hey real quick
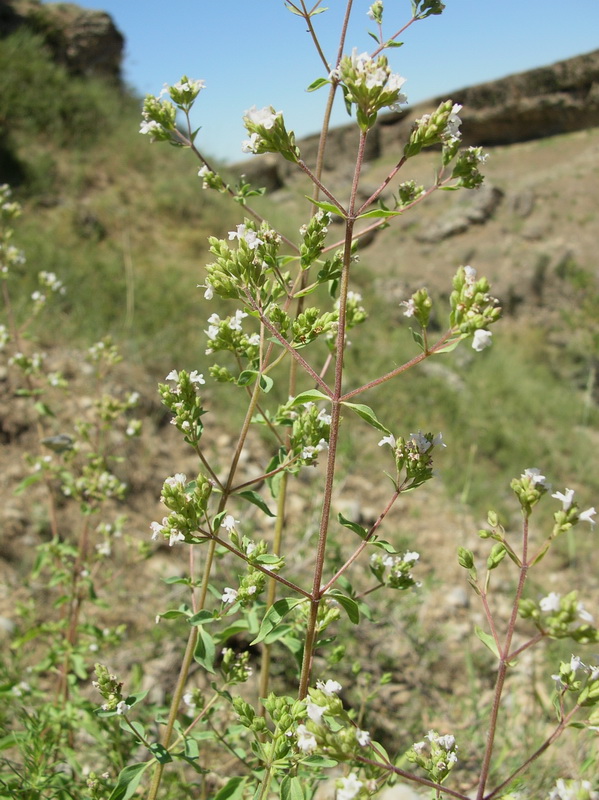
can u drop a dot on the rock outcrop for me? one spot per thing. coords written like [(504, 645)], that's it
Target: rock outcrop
[(560, 98), (86, 42)]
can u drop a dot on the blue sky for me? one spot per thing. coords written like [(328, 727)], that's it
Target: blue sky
[(254, 52)]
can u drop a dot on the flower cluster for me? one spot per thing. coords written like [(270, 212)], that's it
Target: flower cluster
[(313, 237), (442, 126), (418, 306), (414, 455), (437, 755), (529, 488), (309, 433), (573, 790), (184, 401), (268, 134), (399, 575), (234, 666), (561, 617), (472, 308), (187, 502), (370, 85), (111, 690), (158, 115), (569, 514)]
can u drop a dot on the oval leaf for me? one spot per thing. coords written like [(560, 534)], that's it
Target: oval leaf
[(274, 615), (368, 416)]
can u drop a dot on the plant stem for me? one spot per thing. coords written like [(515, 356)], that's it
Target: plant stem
[(503, 666)]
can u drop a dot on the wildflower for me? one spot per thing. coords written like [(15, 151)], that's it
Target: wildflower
[(229, 523), (348, 787), (410, 306), (535, 477), (551, 602), (390, 440), (248, 235), (196, 377), (175, 536), (566, 498), (329, 687), (362, 737), (266, 117), (229, 595), (306, 741), (481, 339), (122, 707), (252, 144), (587, 516), (315, 712)]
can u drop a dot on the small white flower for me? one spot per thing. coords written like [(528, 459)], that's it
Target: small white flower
[(196, 377), (314, 711), (584, 615), (470, 275), (266, 117), (390, 440), (348, 787), (576, 664), (362, 737), (172, 376), (229, 595), (535, 476), (329, 687), (481, 339), (587, 516), (306, 741), (122, 707), (551, 602), (252, 144), (157, 528), (410, 307), (176, 536), (229, 523), (566, 498), (411, 557)]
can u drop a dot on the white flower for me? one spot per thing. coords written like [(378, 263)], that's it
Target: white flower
[(411, 557), (122, 707), (390, 440), (172, 376), (266, 117), (469, 275), (565, 498), (252, 144), (587, 516), (196, 377), (576, 664), (348, 787), (421, 442), (104, 549), (157, 528), (454, 122), (178, 480), (306, 741), (249, 236), (229, 523), (447, 742), (314, 711), (329, 687), (229, 595), (150, 127), (176, 536), (410, 307), (584, 615), (535, 476), (481, 339), (235, 322), (362, 737), (551, 602)]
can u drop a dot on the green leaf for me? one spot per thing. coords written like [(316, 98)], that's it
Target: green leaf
[(487, 640), (133, 699), (139, 729), (128, 781), (233, 789), (392, 43), (311, 396), (274, 615), (317, 84), (319, 761), (383, 544), (203, 617), (374, 36), (291, 788), (160, 753), (450, 345), (176, 579), (205, 650), (379, 213), (330, 207), (30, 480), (254, 497), (348, 604), (417, 337), (353, 526), (43, 409), (368, 416)]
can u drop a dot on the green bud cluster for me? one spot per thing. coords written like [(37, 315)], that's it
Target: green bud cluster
[(529, 488), (407, 193), (437, 755), (159, 118), (369, 85), (566, 618), (94, 485), (355, 313), (212, 180), (309, 433), (184, 93), (104, 353), (394, 571), (472, 308), (311, 324), (187, 503), (30, 365), (414, 455), (313, 238), (234, 666), (268, 134), (466, 170), (376, 11), (185, 403), (431, 129), (109, 687)]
